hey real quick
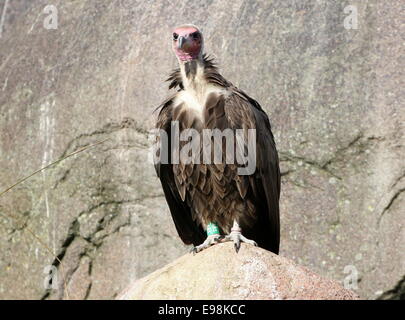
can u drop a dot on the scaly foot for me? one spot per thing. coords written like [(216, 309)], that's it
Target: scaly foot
[(237, 237), (211, 240)]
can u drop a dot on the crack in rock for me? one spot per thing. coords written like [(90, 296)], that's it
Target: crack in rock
[(359, 143)]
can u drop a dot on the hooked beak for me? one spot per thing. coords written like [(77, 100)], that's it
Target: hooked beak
[(181, 42)]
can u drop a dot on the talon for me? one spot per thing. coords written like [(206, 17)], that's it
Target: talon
[(211, 240), (237, 237)]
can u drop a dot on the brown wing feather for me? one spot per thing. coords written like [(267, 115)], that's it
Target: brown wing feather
[(243, 111), (189, 231)]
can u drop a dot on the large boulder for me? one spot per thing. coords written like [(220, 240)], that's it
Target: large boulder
[(333, 96), (221, 273)]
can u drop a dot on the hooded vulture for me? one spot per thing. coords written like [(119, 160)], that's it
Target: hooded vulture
[(212, 199)]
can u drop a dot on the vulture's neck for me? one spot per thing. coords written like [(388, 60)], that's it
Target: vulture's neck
[(197, 77), (193, 76)]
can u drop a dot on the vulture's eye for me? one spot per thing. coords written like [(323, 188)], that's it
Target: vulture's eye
[(195, 35), (175, 36)]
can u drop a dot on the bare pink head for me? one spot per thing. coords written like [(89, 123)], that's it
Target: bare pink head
[(187, 42)]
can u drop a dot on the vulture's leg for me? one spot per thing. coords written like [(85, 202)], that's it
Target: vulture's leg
[(213, 237), (237, 237)]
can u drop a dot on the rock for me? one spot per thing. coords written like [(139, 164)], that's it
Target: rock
[(334, 97), (397, 293), (221, 273)]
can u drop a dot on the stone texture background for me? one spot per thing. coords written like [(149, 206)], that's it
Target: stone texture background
[(333, 95)]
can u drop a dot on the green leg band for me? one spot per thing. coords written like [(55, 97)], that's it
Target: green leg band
[(212, 229)]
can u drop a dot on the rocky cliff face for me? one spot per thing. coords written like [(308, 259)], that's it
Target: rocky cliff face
[(333, 95), (221, 273)]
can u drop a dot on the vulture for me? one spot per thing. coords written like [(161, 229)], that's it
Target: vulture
[(213, 200)]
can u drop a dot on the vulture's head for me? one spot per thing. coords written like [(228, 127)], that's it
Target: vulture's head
[(187, 42)]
